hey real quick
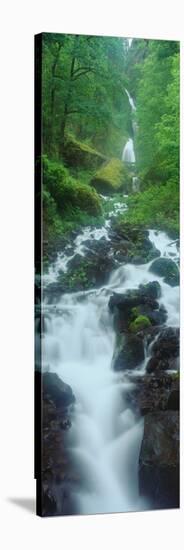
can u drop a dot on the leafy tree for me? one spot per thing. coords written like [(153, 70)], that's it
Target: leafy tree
[(83, 91)]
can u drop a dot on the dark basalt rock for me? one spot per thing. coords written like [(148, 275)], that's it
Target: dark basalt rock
[(165, 351), (165, 267), (89, 271), (57, 478), (152, 290), (139, 302), (54, 290), (132, 244), (129, 352), (55, 389), (159, 460), (155, 393)]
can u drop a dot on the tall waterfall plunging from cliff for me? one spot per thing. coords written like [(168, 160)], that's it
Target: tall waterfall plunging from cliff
[(131, 101), (128, 154)]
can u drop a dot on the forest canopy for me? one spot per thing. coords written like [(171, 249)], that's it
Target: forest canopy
[(87, 119)]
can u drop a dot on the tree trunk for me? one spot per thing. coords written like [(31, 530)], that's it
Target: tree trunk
[(64, 118)]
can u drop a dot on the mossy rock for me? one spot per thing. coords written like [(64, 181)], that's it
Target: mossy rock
[(140, 323), (91, 271), (78, 153), (62, 192), (112, 177), (164, 267)]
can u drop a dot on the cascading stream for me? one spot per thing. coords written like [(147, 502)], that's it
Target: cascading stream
[(106, 435)]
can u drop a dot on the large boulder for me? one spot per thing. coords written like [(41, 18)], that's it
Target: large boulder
[(56, 475), (137, 306), (132, 244), (129, 352), (89, 271), (112, 177), (165, 267), (55, 389), (155, 393), (78, 153), (159, 460), (165, 351)]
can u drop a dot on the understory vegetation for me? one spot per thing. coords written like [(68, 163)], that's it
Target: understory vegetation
[(155, 208), (87, 120), (67, 203)]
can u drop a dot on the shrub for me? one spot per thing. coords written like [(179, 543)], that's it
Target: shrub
[(157, 207)]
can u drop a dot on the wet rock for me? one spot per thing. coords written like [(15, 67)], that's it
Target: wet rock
[(54, 290), (165, 267), (55, 389), (135, 303), (89, 271), (159, 460), (49, 502), (75, 262), (152, 290), (129, 352), (155, 393), (57, 478), (133, 244), (165, 351), (174, 400)]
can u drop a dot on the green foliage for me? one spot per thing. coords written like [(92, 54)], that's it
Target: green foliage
[(67, 192), (158, 206), (157, 141), (83, 92), (86, 110), (77, 279), (139, 323), (167, 130), (67, 203)]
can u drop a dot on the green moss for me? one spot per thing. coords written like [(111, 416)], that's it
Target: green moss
[(111, 177), (68, 204), (139, 323), (68, 192), (135, 312), (79, 153)]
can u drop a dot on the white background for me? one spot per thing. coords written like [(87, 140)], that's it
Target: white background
[(20, 528)]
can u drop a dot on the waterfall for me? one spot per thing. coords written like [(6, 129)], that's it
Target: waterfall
[(131, 101), (128, 152), (78, 344)]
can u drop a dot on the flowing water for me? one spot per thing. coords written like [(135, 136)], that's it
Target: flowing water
[(128, 152), (78, 344)]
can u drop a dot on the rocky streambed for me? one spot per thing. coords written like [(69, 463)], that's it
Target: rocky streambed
[(110, 372)]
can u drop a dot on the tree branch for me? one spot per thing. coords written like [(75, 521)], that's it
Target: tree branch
[(83, 69), (82, 73), (72, 111)]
